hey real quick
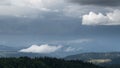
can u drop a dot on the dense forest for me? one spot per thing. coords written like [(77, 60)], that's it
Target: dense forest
[(26, 62)]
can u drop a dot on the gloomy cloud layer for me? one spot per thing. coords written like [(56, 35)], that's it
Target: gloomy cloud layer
[(60, 26), (97, 2), (57, 17)]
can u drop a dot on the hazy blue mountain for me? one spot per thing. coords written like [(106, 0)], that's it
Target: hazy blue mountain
[(104, 59), (87, 56), (6, 48), (7, 51), (19, 54)]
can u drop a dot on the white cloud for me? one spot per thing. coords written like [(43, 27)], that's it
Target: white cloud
[(75, 41), (72, 49), (41, 49), (69, 49), (79, 41), (111, 18)]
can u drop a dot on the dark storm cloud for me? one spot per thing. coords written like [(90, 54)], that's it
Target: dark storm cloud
[(97, 2)]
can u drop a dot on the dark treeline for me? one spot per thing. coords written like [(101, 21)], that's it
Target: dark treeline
[(25, 62)]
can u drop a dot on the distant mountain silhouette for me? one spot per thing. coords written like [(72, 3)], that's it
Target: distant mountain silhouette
[(19, 54), (7, 51), (6, 48), (103, 59)]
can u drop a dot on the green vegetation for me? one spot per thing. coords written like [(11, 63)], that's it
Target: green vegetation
[(25, 62)]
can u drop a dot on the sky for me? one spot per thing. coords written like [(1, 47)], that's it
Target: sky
[(27, 23)]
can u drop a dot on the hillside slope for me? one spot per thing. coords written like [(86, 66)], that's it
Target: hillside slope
[(111, 60), (89, 56)]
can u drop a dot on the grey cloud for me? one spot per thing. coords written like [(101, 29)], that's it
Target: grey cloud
[(36, 26), (5, 2), (29, 7), (97, 2)]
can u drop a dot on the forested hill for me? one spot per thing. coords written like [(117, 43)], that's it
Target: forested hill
[(25, 62)]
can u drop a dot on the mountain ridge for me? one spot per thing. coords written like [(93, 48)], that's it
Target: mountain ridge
[(108, 59)]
